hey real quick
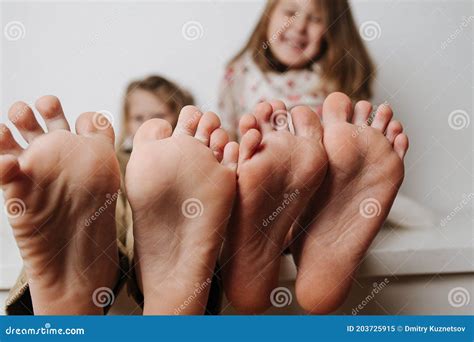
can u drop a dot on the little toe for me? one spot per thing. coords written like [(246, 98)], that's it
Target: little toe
[(394, 128), (231, 155), (400, 145), (8, 145), (306, 122), (337, 107), (152, 130), (95, 123), (188, 121), (362, 111), (264, 115), (22, 116), (208, 124), (383, 115), (218, 140), (9, 168), (246, 123), (52, 112), (249, 144)]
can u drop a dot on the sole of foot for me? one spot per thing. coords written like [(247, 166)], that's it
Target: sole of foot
[(53, 191), (181, 187), (278, 173), (365, 172)]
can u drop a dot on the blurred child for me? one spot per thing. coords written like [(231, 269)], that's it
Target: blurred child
[(299, 52)]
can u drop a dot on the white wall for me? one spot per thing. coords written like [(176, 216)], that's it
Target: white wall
[(87, 53)]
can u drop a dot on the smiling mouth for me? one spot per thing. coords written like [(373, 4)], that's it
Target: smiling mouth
[(295, 43)]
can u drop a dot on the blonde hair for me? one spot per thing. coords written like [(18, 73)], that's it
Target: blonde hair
[(345, 64), (165, 90)]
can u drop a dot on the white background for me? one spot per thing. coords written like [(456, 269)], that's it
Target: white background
[(87, 53)]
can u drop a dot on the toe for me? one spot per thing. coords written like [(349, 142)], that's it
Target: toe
[(93, 124), (246, 123), (265, 116), (306, 122), (21, 115), (9, 168), (8, 145), (400, 145), (278, 105), (337, 107), (362, 112), (188, 121), (52, 112), (382, 117), (218, 140), (394, 128), (208, 124), (152, 130), (249, 144), (231, 155)]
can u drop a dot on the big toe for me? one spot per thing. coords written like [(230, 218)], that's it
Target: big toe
[(151, 130), (337, 108)]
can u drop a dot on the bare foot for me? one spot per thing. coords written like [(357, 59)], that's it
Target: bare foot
[(52, 190), (278, 172), (364, 175), (181, 189)]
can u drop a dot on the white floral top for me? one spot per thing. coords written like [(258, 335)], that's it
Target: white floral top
[(245, 85)]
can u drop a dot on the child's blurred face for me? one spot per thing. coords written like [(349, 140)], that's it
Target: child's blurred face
[(143, 105), (295, 32)]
